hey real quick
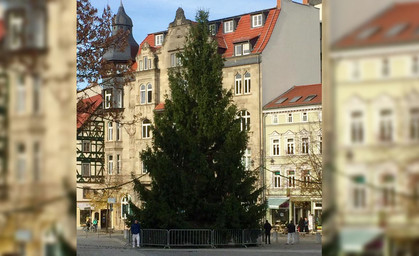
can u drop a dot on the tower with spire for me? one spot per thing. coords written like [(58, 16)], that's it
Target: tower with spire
[(113, 87)]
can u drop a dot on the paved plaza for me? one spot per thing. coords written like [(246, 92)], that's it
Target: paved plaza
[(115, 244)]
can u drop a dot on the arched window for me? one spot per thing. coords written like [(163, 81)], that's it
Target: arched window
[(142, 94), (146, 129), (125, 208), (238, 84), (149, 93), (247, 83)]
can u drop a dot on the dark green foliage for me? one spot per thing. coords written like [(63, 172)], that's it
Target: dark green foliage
[(198, 179)]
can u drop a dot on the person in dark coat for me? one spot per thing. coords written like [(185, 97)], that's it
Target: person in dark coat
[(301, 225), (267, 228), (135, 231), (306, 225), (291, 232)]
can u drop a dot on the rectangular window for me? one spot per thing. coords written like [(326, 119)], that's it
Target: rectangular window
[(145, 63), (306, 178), (228, 26), (85, 169), (275, 147), (291, 179), (36, 94), (246, 48), (358, 192), (290, 146), (257, 20), (86, 146), (277, 179), (110, 131), (20, 94), (321, 144), (414, 124), (144, 168), (275, 119), (357, 127), (247, 158), (415, 65), (149, 64), (238, 49), (304, 146), (108, 99), (212, 29), (15, 30), (386, 125), (36, 161), (118, 164), (385, 67), (304, 117), (118, 131), (141, 65), (289, 118), (159, 39), (146, 131), (110, 164), (175, 60), (21, 162)]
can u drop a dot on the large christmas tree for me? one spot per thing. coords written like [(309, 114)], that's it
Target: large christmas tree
[(195, 162)]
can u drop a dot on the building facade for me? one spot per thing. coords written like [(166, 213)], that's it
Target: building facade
[(264, 52), (376, 158), (293, 160), (37, 115)]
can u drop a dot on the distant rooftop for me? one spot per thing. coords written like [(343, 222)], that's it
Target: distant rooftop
[(297, 96)]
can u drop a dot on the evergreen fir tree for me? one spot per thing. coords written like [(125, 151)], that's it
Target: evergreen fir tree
[(195, 162)]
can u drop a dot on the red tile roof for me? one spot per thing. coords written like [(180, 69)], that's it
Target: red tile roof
[(159, 107), (378, 31), (303, 91), (243, 32), (86, 107)]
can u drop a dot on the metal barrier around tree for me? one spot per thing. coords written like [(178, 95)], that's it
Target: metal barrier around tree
[(199, 237)]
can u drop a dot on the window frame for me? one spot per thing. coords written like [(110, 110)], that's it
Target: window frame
[(238, 84), (255, 20), (143, 94), (305, 145), (247, 83), (228, 28), (145, 129), (85, 167), (158, 40), (110, 164), (110, 131), (245, 120), (276, 179), (304, 117), (276, 147), (290, 118), (290, 150), (149, 93)]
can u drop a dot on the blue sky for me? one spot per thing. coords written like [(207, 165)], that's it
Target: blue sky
[(150, 16)]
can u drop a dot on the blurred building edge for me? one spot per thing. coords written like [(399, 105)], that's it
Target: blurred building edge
[(375, 90), (37, 109)]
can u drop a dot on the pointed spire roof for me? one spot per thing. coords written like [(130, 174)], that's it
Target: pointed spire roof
[(122, 18)]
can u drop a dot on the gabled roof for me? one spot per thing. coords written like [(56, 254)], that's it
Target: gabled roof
[(86, 107), (159, 107), (242, 32), (297, 96), (398, 24)]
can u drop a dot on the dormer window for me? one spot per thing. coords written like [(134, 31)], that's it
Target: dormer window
[(212, 29), (228, 26), (159, 40), (242, 49), (257, 20)]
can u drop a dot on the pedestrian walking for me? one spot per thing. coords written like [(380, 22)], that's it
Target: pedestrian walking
[(267, 228), (95, 224), (291, 232), (135, 231), (88, 224)]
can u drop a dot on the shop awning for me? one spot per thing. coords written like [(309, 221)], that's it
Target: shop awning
[(355, 239), (275, 203)]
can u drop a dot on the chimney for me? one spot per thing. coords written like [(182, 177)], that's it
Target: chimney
[(305, 2), (278, 4)]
